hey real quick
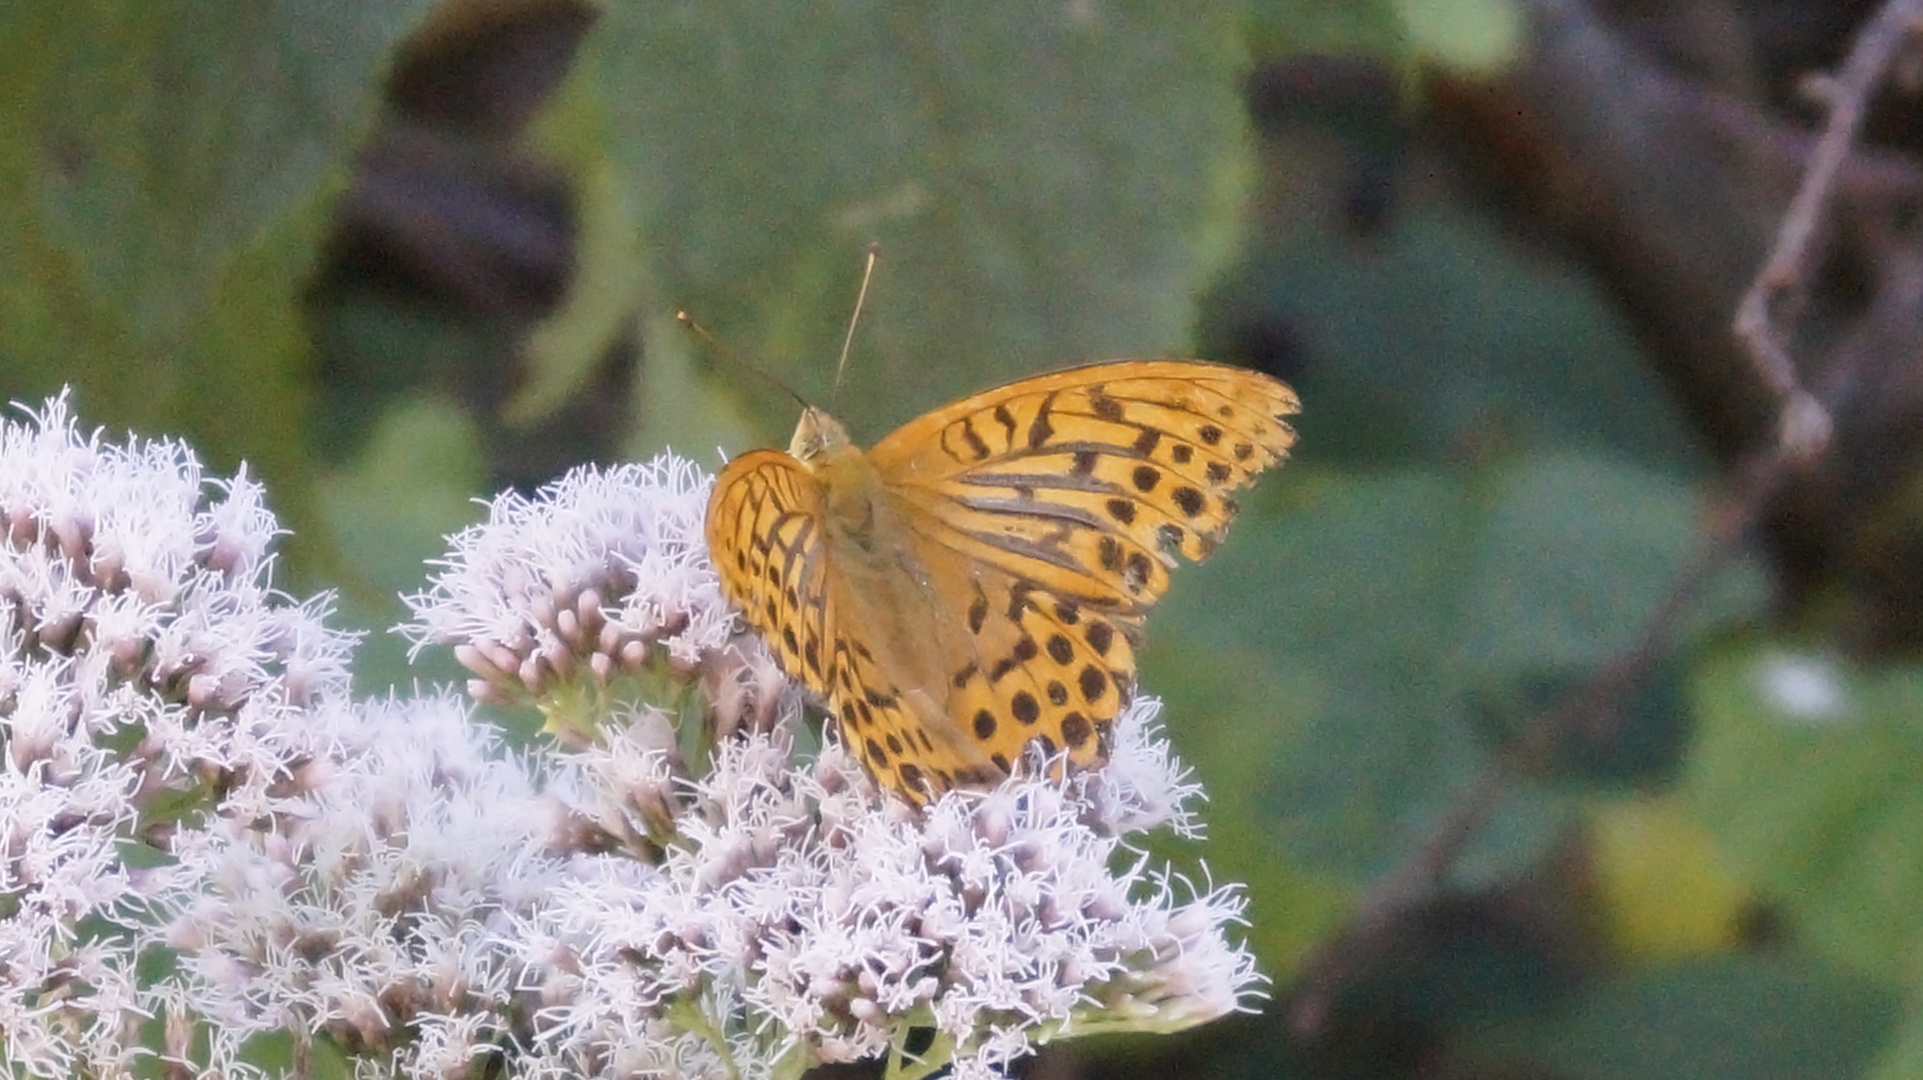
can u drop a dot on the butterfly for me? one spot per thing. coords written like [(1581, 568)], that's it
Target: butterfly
[(976, 582)]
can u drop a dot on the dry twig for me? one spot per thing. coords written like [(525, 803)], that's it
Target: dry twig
[(1806, 426), (1804, 434)]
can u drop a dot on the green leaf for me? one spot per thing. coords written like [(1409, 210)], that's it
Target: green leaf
[(1046, 184), (1364, 27), (1442, 337), (1807, 774), (1725, 1018), (1902, 1059), (1570, 555), (161, 200), (1643, 742), (168, 140), (390, 510), (1470, 36), (1341, 596)]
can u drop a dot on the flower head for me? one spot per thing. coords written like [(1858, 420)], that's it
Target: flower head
[(382, 876), (376, 905), (150, 678), (600, 576), (795, 913), (830, 917)]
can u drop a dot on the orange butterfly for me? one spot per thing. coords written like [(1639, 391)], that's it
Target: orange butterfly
[(978, 580)]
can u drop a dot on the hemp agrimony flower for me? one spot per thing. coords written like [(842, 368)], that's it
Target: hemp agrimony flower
[(152, 685), (562, 599), (798, 914), (215, 862), (379, 903)]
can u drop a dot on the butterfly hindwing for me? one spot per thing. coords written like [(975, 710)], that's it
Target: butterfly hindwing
[(1025, 664)]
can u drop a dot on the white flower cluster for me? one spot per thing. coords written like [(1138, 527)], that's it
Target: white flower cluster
[(807, 917), (149, 678), (378, 905), (558, 596), (214, 862), (798, 914)]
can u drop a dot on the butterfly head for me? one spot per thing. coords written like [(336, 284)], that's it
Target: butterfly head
[(816, 435)]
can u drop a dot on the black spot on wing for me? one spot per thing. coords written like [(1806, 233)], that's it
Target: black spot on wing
[(1077, 730), (1042, 429), (1024, 708), (1094, 683), (909, 778), (1060, 649), (977, 612), (1100, 637), (1007, 420), (975, 444)]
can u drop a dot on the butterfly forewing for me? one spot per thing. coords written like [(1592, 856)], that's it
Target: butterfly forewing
[(765, 534), (1022, 535), (1085, 480)]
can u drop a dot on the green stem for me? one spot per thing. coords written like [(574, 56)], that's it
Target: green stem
[(905, 1066), (691, 1017), (791, 1065)]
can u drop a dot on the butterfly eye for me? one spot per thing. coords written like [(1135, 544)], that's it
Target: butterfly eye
[(816, 433)]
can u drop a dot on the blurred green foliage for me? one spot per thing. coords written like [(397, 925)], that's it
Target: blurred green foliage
[(1490, 497)]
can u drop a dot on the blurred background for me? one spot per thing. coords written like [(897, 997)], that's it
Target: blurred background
[(1549, 740)]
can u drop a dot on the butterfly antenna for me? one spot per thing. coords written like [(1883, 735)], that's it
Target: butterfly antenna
[(867, 274), (734, 357)]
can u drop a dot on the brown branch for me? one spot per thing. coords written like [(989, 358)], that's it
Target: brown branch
[(1805, 435), (1806, 426), (1422, 870)]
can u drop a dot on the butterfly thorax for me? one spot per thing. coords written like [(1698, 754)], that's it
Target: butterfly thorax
[(848, 479), (816, 434), (888, 591)]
